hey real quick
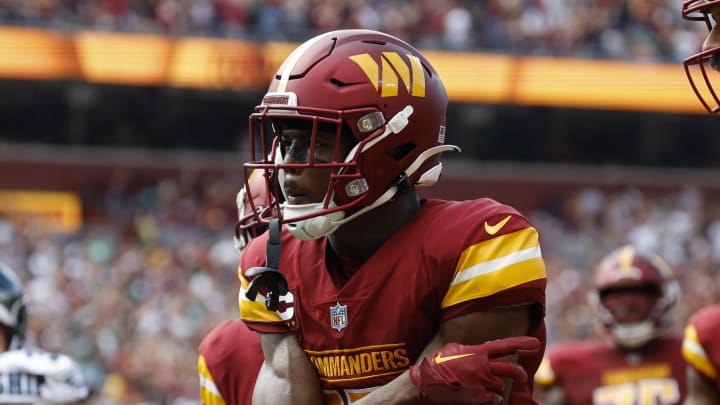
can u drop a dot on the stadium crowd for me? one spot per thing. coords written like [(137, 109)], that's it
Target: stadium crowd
[(682, 226), (650, 30), (153, 269), (131, 294)]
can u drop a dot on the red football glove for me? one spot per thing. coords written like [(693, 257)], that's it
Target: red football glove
[(460, 374)]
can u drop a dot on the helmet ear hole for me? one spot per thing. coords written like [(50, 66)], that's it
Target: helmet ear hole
[(398, 153)]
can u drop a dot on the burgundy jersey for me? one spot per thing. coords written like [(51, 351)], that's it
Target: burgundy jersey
[(701, 346), (228, 365), (453, 258), (597, 372)]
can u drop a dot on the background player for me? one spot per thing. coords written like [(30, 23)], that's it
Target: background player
[(701, 349), (634, 362), (230, 356), (30, 375), (379, 279)]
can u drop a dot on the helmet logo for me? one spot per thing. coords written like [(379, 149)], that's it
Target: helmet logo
[(384, 76)]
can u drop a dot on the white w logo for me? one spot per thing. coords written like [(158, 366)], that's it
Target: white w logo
[(386, 75)]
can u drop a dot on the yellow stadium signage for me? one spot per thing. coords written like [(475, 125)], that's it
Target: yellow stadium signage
[(44, 211)]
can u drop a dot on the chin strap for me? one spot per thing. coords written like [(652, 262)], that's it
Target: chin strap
[(269, 279)]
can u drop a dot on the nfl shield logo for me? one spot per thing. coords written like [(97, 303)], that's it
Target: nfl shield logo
[(338, 317)]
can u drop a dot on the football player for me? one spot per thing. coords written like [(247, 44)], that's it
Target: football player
[(230, 356), (635, 361), (368, 293), (696, 66), (30, 375), (701, 349)]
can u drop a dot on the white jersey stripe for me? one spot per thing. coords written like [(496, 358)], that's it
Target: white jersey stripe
[(496, 264), (694, 348), (210, 386)]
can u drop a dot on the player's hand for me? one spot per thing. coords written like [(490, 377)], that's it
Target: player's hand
[(460, 374)]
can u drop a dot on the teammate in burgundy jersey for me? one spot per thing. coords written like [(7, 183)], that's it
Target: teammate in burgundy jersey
[(369, 294), (228, 365), (635, 362), (230, 356), (701, 349)]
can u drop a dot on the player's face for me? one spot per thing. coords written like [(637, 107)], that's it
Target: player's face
[(629, 305), (299, 145)]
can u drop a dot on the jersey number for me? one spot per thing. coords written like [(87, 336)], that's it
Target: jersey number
[(657, 391)]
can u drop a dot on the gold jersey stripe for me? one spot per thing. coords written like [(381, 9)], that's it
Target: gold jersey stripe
[(695, 355), (634, 374), (338, 380), (484, 285), (545, 375), (497, 264), (497, 248), (492, 266), (356, 396), (209, 394), (349, 396)]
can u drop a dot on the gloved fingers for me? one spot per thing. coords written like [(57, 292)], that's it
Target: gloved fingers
[(507, 369), (522, 345)]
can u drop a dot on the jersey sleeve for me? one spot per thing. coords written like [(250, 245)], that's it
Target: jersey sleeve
[(209, 392), (254, 313), (700, 347), (229, 360), (500, 262)]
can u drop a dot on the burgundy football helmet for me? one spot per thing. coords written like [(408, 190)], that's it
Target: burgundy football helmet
[(371, 87), (253, 210), (696, 66), (633, 294)]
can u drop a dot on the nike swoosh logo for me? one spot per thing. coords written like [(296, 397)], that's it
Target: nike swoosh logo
[(440, 359), (493, 229)]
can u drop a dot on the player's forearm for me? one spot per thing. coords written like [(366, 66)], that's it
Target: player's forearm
[(272, 389), (400, 391), (286, 377)]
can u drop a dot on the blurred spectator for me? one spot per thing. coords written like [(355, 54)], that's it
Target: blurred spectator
[(137, 288), (647, 30)]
